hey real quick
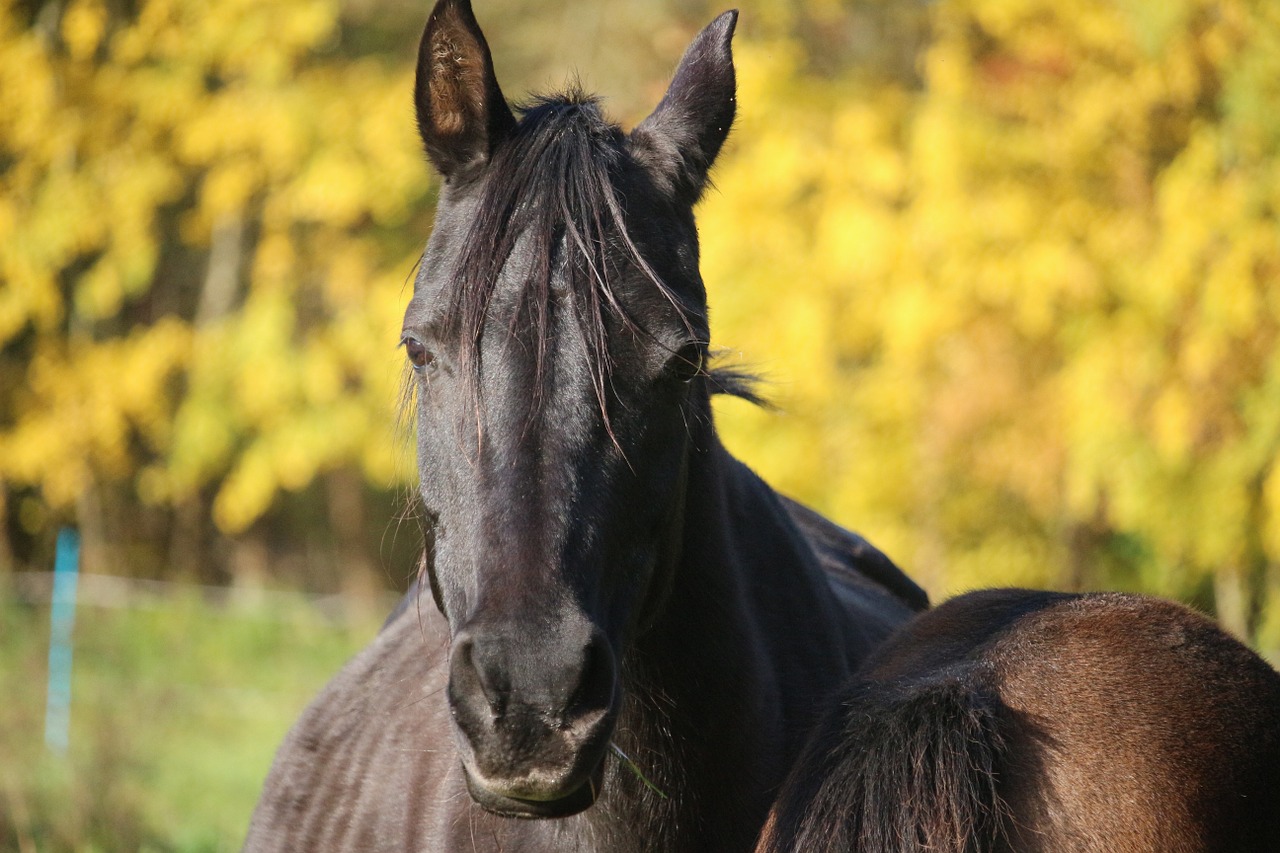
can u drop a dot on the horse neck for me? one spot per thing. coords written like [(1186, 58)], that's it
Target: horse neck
[(707, 712), (741, 554)]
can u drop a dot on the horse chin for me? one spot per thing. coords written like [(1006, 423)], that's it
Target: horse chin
[(577, 800)]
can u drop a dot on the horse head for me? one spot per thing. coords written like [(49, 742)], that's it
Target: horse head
[(558, 339)]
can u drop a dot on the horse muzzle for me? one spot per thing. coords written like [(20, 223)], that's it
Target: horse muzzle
[(533, 720)]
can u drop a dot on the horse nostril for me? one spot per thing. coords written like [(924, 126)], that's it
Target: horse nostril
[(499, 678), (596, 685), (472, 677)]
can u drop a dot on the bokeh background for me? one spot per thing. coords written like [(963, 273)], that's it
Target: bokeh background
[(1011, 269)]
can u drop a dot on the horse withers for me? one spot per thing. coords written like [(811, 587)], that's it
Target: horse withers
[(1011, 721), (631, 630)]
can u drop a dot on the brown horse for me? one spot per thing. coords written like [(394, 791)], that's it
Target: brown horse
[(1037, 722), (631, 630)]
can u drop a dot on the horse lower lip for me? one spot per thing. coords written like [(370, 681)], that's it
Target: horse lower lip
[(581, 798)]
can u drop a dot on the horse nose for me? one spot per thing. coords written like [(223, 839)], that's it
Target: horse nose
[(562, 677), (534, 713)]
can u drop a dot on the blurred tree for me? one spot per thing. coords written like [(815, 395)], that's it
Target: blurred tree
[(1010, 266), (1023, 313), (207, 219)]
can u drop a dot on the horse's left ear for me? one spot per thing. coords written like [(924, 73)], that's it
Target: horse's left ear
[(462, 115), (681, 138)]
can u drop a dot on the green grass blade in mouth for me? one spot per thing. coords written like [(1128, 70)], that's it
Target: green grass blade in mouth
[(631, 765)]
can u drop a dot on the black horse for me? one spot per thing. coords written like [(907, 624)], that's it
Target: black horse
[(633, 630), (1010, 721)]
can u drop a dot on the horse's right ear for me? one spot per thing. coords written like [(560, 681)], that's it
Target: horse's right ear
[(462, 116)]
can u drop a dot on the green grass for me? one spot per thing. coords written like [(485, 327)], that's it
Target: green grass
[(177, 708)]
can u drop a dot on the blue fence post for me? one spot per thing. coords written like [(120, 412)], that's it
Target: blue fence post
[(66, 568)]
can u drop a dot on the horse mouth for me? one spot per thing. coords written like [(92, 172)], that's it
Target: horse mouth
[(504, 805)]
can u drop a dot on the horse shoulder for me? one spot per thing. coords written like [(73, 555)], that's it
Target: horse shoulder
[(375, 736)]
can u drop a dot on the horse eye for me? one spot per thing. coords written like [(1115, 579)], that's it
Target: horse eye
[(419, 355), (687, 363)]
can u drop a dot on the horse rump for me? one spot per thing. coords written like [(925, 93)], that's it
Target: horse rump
[(1037, 722), (898, 767)]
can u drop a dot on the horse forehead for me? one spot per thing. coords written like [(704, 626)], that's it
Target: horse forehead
[(534, 278)]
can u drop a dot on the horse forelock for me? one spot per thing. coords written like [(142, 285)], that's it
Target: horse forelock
[(549, 211), (551, 204)]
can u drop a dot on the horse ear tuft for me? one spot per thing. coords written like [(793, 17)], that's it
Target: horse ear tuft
[(462, 115), (681, 138)]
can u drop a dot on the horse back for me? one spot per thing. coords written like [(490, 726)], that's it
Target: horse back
[(875, 596), (851, 561)]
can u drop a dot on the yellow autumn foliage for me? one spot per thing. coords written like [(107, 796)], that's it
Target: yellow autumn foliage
[(1022, 313), (1009, 267), (199, 287)]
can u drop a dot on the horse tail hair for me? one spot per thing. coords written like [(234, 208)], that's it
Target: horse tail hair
[(898, 767)]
